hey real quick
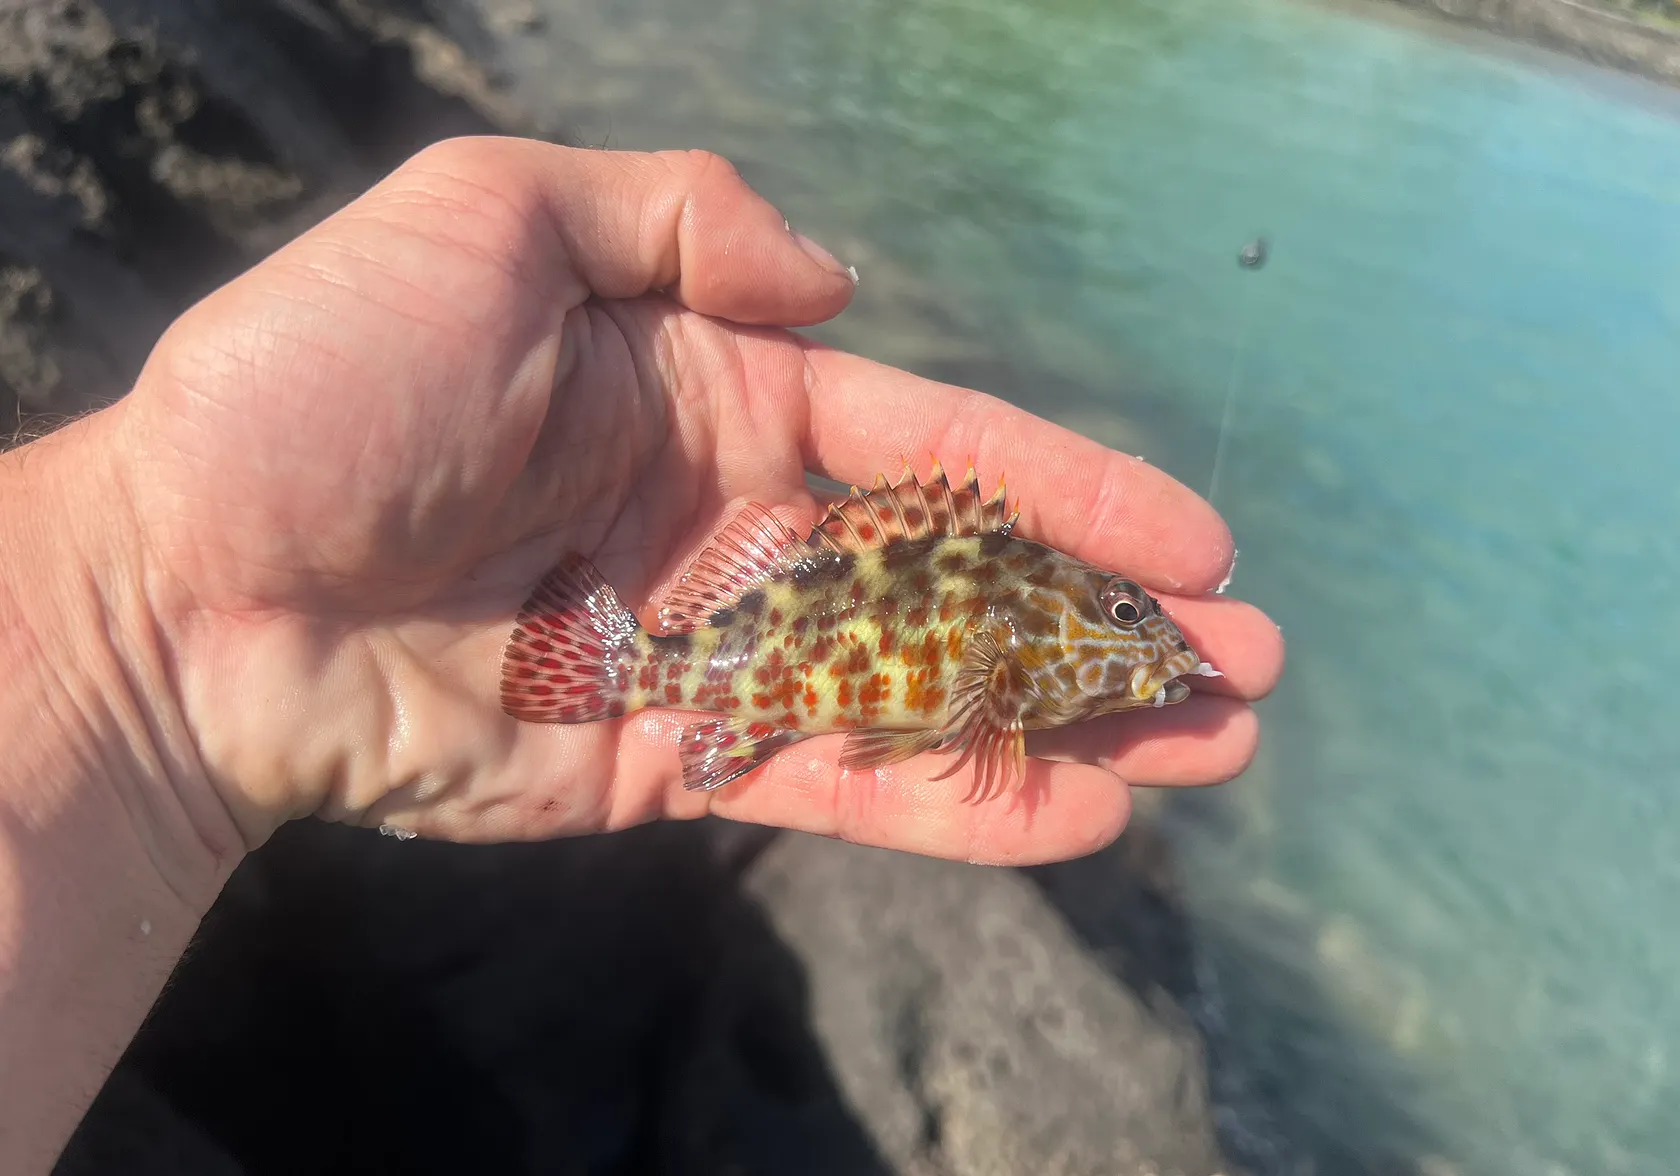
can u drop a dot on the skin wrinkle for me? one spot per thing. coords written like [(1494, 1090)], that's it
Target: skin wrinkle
[(662, 224), (146, 788), (174, 760), (160, 810), (708, 173), (602, 462), (343, 803), (438, 310), (512, 259)]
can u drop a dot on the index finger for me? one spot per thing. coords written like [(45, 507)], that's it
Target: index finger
[(1110, 509)]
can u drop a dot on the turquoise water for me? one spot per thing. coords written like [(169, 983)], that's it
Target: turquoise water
[(1439, 918)]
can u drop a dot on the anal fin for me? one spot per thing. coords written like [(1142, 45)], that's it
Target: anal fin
[(716, 751)]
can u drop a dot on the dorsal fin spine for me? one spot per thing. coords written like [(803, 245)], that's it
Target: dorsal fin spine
[(882, 516), (945, 496)]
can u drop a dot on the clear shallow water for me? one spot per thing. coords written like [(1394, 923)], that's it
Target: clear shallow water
[(1441, 916)]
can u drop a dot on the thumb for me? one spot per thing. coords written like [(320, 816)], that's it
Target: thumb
[(684, 222)]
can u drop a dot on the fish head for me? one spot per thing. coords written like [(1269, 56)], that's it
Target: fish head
[(1105, 645)]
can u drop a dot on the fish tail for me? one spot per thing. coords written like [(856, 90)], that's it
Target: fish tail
[(569, 656)]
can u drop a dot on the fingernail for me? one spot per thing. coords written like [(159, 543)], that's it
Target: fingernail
[(823, 257)]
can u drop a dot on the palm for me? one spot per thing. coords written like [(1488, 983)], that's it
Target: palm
[(356, 460)]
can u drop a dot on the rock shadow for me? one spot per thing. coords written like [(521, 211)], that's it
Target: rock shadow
[(602, 1005)]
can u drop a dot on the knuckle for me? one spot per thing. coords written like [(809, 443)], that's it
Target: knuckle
[(699, 166)]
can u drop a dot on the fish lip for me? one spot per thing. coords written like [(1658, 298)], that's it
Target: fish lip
[(1158, 683)]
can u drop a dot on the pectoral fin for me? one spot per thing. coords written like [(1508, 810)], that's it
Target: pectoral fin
[(987, 701)]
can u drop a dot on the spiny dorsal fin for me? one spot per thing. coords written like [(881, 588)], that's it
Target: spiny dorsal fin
[(753, 548), (912, 510)]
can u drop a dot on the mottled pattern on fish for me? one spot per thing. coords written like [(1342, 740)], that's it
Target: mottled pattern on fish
[(910, 617)]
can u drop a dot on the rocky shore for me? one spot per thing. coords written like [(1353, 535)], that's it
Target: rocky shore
[(150, 149), (701, 999), (1580, 28)]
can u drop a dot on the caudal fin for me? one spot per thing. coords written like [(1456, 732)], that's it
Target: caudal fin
[(562, 663)]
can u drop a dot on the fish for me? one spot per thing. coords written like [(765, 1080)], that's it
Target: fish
[(911, 617)]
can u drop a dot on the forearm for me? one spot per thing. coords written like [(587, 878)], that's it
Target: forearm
[(105, 871)]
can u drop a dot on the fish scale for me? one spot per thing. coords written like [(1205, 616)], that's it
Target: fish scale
[(910, 618)]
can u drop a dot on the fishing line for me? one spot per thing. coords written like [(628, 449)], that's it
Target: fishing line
[(1252, 257)]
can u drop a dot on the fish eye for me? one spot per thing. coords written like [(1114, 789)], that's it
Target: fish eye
[(1126, 603)]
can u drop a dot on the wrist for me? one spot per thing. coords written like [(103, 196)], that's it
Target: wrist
[(89, 690), (109, 856)]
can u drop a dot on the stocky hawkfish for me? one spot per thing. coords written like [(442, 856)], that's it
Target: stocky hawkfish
[(910, 617)]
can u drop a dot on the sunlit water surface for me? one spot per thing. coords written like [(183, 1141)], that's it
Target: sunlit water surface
[(1439, 917)]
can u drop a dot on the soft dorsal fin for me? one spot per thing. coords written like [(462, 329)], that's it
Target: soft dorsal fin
[(912, 510), (753, 548)]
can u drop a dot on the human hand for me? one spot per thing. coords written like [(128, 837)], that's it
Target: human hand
[(349, 465)]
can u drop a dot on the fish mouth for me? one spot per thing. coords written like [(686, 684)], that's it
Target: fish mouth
[(1157, 683)]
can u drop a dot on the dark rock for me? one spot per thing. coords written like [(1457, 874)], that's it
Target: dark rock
[(599, 1005), (1581, 28), (140, 1134), (970, 1028), (151, 149), (679, 999)]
